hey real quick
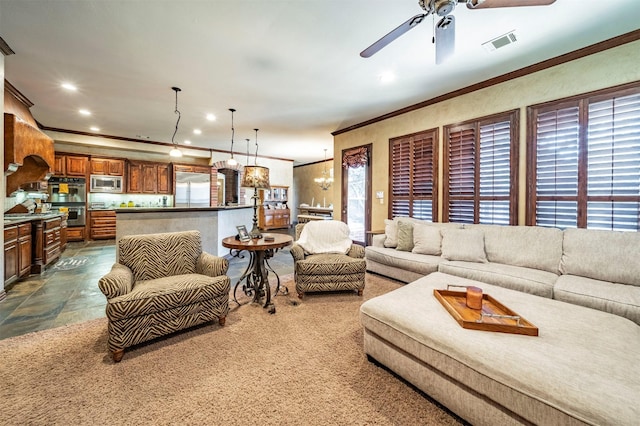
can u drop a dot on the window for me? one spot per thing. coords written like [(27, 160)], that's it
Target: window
[(413, 170), (584, 161), (480, 170)]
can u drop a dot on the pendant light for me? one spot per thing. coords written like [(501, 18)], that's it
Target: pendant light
[(175, 151), (232, 161)]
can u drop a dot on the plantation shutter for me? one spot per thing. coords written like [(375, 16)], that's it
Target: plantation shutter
[(400, 177), (588, 178), (495, 173), (412, 175), (613, 163), (462, 171), (557, 167)]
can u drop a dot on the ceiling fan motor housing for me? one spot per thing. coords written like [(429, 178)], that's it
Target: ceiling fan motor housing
[(444, 7)]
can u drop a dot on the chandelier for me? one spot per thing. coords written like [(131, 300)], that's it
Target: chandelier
[(326, 179)]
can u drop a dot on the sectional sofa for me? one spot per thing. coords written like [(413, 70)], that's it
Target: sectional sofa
[(580, 287)]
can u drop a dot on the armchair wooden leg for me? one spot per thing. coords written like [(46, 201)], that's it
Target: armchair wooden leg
[(117, 355), (360, 290), (222, 320), (300, 294)]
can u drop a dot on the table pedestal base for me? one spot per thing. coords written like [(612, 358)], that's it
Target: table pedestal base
[(256, 279)]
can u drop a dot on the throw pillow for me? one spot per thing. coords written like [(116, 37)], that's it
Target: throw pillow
[(463, 244), (391, 233), (405, 236), (426, 239)]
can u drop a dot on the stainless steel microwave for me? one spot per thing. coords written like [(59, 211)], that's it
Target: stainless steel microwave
[(100, 183)]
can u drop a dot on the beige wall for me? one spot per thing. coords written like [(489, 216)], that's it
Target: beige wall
[(601, 70), (306, 190)]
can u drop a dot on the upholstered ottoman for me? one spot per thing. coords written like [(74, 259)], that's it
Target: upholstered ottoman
[(582, 368)]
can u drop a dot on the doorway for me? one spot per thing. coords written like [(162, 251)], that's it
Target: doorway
[(356, 191)]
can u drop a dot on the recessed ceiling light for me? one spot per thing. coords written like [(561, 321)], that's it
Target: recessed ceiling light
[(187, 142), (197, 131), (84, 112), (70, 87), (95, 129), (211, 117), (387, 77)]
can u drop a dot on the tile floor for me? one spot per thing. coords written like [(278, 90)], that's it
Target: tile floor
[(68, 292)]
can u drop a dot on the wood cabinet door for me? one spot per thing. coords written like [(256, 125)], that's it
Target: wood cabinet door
[(116, 168), (134, 178), (149, 178), (24, 255), (76, 166), (99, 166), (163, 179), (58, 165), (10, 261)]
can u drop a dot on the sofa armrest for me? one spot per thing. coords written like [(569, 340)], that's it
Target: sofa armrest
[(211, 265), (116, 282), (297, 252), (356, 251)]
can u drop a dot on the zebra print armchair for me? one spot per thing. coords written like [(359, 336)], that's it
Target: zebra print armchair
[(162, 283), (327, 271)]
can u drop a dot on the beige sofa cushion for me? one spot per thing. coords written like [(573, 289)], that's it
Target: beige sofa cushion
[(619, 299), (526, 280), (463, 244), (426, 239), (602, 255), (528, 246), (391, 233)]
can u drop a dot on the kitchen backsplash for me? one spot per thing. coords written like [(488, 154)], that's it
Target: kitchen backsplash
[(139, 200)]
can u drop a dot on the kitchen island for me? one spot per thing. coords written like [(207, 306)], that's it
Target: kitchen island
[(214, 223)]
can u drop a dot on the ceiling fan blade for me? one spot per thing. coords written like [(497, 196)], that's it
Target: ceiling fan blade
[(403, 28), (487, 4), (445, 38)]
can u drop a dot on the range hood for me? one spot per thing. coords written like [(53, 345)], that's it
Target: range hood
[(28, 153)]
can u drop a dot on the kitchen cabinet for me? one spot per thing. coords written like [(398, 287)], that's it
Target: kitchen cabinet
[(70, 165), (191, 168), (17, 251), (107, 166), (45, 243), (24, 249), (273, 212), (75, 233), (164, 179), (103, 224), (10, 254), (148, 178), (63, 233)]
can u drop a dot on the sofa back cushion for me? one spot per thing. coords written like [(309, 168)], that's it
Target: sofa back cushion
[(154, 256), (534, 247), (463, 244), (602, 255)]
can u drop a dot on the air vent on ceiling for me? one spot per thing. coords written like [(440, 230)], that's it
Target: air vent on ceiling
[(501, 41)]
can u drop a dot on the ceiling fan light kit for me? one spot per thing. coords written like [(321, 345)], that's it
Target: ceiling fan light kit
[(445, 29)]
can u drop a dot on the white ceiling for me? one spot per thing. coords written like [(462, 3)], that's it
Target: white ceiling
[(290, 67)]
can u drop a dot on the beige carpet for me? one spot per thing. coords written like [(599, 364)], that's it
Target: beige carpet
[(302, 366)]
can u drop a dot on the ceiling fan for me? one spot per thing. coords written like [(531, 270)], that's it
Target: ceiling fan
[(445, 35)]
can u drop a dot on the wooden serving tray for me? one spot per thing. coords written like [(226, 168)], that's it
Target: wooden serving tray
[(456, 303)]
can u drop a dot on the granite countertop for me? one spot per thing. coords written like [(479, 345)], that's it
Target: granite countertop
[(175, 209), (16, 218)]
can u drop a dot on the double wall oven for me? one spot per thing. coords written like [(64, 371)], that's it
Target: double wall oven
[(69, 194)]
